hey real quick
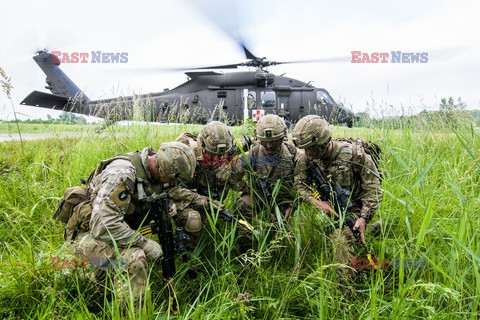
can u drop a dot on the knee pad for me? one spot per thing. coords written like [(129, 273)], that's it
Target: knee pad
[(194, 221), (138, 266)]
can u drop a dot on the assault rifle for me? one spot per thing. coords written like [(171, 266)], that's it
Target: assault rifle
[(205, 191), (339, 198), (172, 243), (264, 188), (223, 214), (266, 195)]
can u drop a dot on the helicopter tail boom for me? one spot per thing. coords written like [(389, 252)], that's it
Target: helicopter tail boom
[(63, 89)]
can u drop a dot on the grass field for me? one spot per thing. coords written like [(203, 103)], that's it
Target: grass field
[(430, 211), (11, 128)]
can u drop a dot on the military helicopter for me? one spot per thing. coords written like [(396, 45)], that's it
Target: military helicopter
[(207, 95)]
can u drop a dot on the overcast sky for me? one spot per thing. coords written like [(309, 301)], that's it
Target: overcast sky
[(183, 33)]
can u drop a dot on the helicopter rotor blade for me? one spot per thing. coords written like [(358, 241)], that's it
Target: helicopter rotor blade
[(225, 66), (248, 53), (225, 15), (254, 62), (183, 69), (322, 60)]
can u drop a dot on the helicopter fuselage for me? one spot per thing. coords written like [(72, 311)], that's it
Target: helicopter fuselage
[(208, 95), (213, 96)]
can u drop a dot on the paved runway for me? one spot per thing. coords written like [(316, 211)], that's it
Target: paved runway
[(33, 136)]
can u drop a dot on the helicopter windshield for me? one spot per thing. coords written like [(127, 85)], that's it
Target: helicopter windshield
[(324, 98), (268, 99)]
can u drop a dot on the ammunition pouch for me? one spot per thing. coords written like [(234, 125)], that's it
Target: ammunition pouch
[(79, 221), (71, 198)]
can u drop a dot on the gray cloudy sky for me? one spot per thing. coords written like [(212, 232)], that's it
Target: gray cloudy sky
[(168, 33)]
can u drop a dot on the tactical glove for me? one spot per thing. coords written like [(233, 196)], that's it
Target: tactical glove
[(152, 249)]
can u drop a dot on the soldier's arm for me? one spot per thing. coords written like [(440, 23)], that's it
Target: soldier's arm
[(301, 180), (113, 188), (370, 183), (184, 197), (232, 175)]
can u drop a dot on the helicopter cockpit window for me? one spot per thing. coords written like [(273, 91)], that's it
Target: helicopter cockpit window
[(324, 98), (268, 99)]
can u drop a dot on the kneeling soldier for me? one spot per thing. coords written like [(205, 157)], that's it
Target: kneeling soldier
[(270, 162), (349, 173), (119, 193)]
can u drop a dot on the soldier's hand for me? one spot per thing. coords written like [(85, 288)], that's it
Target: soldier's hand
[(360, 225), (216, 204), (324, 206), (172, 209), (152, 249)]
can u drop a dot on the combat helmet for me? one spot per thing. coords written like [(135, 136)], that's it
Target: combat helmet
[(311, 130), (270, 127), (215, 138), (176, 160)]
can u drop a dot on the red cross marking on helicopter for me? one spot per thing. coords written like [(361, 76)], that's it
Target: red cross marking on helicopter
[(257, 114)]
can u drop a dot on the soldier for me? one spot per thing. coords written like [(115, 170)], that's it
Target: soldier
[(343, 163), (272, 159), (214, 148), (119, 190)]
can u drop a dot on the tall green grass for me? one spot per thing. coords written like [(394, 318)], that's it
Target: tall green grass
[(430, 210), (11, 128)]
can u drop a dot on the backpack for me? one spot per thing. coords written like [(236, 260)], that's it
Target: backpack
[(371, 148), (71, 198), (75, 208)]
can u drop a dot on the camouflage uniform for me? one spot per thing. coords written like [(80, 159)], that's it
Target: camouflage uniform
[(269, 166), (279, 167), (352, 168), (214, 148), (118, 189)]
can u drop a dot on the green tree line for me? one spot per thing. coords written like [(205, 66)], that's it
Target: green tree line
[(63, 118)]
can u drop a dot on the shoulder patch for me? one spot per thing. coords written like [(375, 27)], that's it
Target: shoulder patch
[(121, 196)]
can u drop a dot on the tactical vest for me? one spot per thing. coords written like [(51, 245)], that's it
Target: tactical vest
[(284, 168), (79, 219), (141, 190), (141, 175)]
